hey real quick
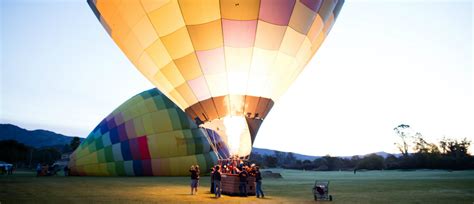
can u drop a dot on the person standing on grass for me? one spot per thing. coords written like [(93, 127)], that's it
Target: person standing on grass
[(243, 175), (38, 169), (194, 179), (217, 181), (258, 182), (212, 180)]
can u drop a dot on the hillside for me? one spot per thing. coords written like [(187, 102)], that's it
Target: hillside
[(34, 138), (44, 138), (263, 151)]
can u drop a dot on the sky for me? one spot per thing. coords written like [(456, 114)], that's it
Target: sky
[(384, 63)]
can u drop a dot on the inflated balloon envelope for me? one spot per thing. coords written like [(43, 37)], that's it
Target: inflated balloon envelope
[(147, 135), (224, 62)]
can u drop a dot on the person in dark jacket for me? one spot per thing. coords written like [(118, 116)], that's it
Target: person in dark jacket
[(194, 179), (258, 182), (243, 175), (217, 181), (212, 179), (38, 169)]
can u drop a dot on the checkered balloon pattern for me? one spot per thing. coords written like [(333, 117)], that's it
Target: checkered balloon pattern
[(221, 61), (148, 135)]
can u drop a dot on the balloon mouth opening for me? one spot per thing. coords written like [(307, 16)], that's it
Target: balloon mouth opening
[(236, 130)]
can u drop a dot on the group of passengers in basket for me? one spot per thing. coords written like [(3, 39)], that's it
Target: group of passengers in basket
[(240, 168), (235, 167)]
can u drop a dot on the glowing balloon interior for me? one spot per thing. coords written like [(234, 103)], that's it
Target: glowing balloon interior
[(220, 60)]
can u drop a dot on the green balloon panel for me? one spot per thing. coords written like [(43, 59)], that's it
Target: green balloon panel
[(148, 135)]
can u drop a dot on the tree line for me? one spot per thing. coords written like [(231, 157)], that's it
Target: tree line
[(23, 156), (446, 154), (451, 154)]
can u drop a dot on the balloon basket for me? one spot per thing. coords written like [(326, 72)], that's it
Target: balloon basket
[(230, 185)]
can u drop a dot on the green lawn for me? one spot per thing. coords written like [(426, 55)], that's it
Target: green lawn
[(422, 186)]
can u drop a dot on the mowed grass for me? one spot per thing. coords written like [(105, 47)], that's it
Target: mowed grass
[(422, 186)]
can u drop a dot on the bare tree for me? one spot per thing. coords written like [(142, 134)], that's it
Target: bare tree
[(403, 131)]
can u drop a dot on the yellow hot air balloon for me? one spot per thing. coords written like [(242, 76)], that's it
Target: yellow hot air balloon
[(225, 62)]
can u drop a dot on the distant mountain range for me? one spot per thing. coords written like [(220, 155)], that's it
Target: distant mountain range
[(263, 151), (45, 138), (33, 138)]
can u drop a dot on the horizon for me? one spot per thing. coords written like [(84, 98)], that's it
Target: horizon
[(413, 66), (322, 155)]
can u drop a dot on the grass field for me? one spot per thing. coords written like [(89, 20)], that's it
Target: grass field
[(422, 186)]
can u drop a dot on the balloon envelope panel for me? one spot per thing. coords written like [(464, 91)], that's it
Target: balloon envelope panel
[(148, 135), (198, 50), (217, 59)]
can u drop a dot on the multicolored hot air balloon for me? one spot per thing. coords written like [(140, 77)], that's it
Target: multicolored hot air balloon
[(148, 135), (225, 62)]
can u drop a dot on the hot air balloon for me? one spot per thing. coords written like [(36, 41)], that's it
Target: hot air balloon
[(224, 62), (148, 135)]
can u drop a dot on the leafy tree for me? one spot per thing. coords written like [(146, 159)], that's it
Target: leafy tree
[(458, 148), (14, 152), (457, 153), (443, 144), (66, 148), (392, 162), (307, 164), (421, 146), (46, 155), (355, 161), (290, 159), (321, 164), (270, 161), (280, 157), (331, 161), (75, 142), (371, 162), (433, 149), (256, 158)]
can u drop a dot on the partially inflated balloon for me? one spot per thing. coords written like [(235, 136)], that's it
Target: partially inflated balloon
[(223, 62), (148, 135)]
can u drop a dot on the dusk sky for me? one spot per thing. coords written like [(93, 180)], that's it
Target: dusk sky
[(383, 64)]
